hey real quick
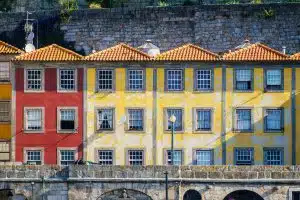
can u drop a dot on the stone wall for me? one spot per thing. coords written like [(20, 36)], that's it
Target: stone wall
[(215, 27), (148, 182)]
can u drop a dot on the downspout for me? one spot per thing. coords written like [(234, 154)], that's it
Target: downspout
[(154, 115), (84, 134), (13, 114), (293, 116), (223, 111)]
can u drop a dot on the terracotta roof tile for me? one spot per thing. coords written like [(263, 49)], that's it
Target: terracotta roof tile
[(120, 52), (8, 49), (52, 52), (188, 52), (256, 52), (295, 56)]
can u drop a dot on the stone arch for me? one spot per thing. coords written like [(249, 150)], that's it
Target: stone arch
[(243, 195), (192, 195), (123, 193)]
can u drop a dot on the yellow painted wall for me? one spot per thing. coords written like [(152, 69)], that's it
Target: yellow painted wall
[(258, 100), (297, 115), (121, 99), (188, 99)]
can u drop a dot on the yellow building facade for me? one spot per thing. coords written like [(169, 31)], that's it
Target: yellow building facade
[(234, 109), (7, 52)]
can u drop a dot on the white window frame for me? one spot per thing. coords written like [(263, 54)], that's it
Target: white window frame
[(266, 130), (291, 191), (26, 80), (251, 149), (196, 79), (97, 119), (97, 156), (166, 120), (59, 149), (75, 130), (128, 80), (266, 80), (128, 156), (195, 120), (182, 80), (279, 149), (58, 72), (128, 119), (5, 80), (26, 149), (9, 112), (112, 80), (5, 147), (42, 122), (167, 159), (235, 128), (211, 152), (236, 81)]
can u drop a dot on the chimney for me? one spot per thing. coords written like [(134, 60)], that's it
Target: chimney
[(149, 48), (284, 49)]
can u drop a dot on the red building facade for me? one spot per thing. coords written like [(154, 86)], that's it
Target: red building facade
[(48, 109)]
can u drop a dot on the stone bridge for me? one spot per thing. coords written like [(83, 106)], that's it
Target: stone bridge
[(148, 182)]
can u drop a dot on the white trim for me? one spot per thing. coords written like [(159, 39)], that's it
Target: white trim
[(42, 80), (59, 149), (59, 90), (59, 117), (25, 149), (291, 190), (25, 120)]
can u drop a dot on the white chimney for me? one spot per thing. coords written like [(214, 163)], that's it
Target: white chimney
[(284, 49), (149, 48)]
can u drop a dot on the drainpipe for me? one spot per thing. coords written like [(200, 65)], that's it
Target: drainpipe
[(223, 111)]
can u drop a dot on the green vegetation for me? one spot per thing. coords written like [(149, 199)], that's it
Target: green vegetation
[(6, 5), (67, 8)]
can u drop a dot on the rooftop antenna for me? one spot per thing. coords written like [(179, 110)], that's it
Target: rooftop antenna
[(28, 28)]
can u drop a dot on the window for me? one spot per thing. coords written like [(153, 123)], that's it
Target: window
[(135, 157), (244, 156), (105, 157), (295, 195), (273, 156), (178, 125), (67, 79), (34, 80), (203, 157), (105, 119), (4, 111), (4, 71), (204, 80), (174, 80), (135, 80), (203, 117), (243, 120), (177, 157), (67, 119), (67, 157), (105, 79), (34, 157), (243, 79), (4, 151), (273, 120), (135, 119), (34, 119), (274, 79)]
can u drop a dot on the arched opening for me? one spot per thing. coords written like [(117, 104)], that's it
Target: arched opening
[(243, 195), (129, 194), (192, 195)]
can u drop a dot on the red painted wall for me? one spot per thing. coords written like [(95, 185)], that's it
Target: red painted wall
[(50, 100)]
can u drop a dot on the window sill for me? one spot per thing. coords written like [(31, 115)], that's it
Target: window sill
[(135, 131), (243, 91), (175, 132), (203, 91), (174, 91), (135, 91), (67, 131), (34, 91), (67, 91), (4, 82), (273, 91), (5, 122), (33, 132), (202, 132), (105, 91), (105, 131), (273, 131), (243, 131)]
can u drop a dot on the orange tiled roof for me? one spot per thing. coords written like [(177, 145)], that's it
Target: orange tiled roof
[(120, 52), (8, 49), (52, 52), (295, 56), (188, 52), (255, 52)]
